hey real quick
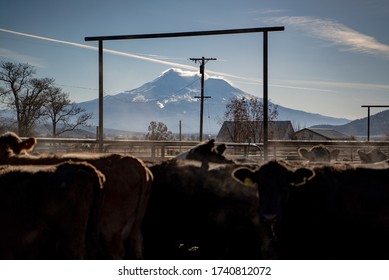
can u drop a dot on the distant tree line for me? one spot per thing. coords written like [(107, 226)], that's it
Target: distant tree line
[(158, 131), (37, 101)]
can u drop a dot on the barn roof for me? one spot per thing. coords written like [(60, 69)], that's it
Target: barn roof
[(329, 134)]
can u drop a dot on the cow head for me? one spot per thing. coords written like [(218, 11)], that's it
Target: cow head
[(11, 144), (274, 180)]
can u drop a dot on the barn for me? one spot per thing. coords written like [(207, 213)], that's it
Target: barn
[(320, 134), (252, 131)]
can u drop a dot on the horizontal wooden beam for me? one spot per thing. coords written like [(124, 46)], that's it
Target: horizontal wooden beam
[(185, 34), (374, 106)]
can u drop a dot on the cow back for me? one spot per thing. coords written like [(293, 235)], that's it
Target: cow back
[(49, 212)]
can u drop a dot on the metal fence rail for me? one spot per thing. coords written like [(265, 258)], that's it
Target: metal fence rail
[(161, 150), (348, 149)]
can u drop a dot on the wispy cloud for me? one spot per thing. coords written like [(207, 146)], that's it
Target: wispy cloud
[(329, 86), (267, 11), (359, 86), (21, 57), (338, 34)]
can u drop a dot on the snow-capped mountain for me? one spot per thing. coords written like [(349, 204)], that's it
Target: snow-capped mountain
[(172, 97)]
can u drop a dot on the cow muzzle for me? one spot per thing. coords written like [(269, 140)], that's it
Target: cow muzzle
[(269, 218)]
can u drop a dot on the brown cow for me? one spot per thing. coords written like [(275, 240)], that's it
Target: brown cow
[(334, 211), (373, 156), (127, 188), (11, 144), (319, 153), (50, 212)]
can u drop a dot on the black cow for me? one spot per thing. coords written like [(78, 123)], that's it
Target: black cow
[(50, 212), (327, 212), (195, 213)]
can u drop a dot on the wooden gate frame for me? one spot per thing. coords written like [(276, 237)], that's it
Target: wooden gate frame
[(263, 30)]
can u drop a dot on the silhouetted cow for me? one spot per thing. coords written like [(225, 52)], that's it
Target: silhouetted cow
[(50, 212), (373, 156), (195, 213), (206, 152), (127, 189), (327, 212), (11, 144), (318, 153)]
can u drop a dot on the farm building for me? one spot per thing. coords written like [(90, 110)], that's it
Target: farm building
[(252, 131), (320, 134)]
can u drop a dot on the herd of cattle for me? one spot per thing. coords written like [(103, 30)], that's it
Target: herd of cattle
[(199, 205)]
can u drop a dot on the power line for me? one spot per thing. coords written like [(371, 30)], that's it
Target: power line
[(186, 86)]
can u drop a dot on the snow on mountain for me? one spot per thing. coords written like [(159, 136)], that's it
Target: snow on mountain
[(172, 97)]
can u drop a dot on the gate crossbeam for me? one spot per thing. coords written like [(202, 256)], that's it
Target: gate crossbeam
[(185, 34)]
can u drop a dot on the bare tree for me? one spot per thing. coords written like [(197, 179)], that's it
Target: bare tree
[(35, 99), (31, 103), (63, 114), (158, 131), (244, 115), (19, 91), (255, 112), (237, 114)]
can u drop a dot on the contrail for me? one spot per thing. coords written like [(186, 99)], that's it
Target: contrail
[(49, 39), (95, 48), (128, 55), (253, 80)]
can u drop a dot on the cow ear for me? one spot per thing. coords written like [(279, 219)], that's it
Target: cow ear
[(221, 148), (245, 175), (303, 153), (27, 145), (301, 176)]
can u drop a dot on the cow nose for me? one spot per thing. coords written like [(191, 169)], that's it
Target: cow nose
[(269, 218)]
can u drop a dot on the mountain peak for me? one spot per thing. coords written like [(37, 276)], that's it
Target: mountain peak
[(172, 97), (179, 72), (175, 78)]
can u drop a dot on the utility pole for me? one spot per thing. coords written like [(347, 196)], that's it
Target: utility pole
[(202, 61), (368, 116), (180, 132), (265, 97), (101, 98)]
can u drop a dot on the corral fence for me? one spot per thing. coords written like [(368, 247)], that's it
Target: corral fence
[(154, 151)]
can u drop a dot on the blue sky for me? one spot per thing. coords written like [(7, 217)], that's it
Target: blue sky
[(332, 57)]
